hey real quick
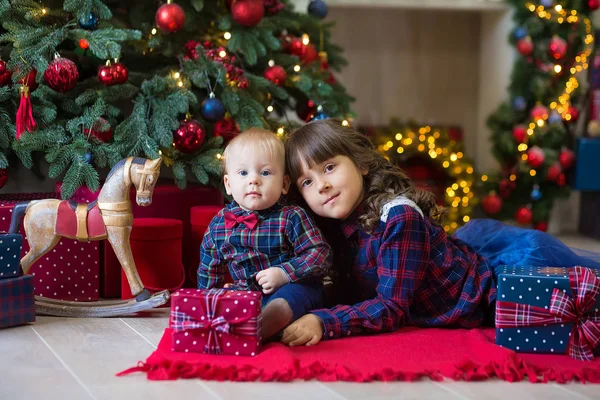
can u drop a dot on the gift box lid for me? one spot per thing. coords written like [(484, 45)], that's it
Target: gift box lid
[(154, 229)]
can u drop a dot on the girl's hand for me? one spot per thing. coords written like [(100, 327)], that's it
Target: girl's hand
[(306, 330)]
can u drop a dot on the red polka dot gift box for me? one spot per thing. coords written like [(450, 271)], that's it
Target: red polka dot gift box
[(216, 321), (70, 271)]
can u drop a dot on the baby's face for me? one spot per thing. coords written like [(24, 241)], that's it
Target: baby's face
[(255, 178)]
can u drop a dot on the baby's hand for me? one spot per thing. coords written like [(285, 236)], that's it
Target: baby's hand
[(271, 279)]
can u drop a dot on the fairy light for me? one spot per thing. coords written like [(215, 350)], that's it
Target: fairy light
[(153, 31), (345, 123), (227, 35), (459, 193), (271, 63), (305, 39), (219, 156), (270, 108), (180, 84), (280, 131), (44, 11), (222, 54), (296, 68), (176, 75)]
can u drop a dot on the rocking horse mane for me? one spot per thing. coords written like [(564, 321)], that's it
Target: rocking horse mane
[(136, 160)]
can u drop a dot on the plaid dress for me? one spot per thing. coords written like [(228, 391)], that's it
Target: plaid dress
[(408, 272), (284, 237)]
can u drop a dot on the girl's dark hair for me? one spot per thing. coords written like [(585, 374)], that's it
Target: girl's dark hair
[(321, 140)]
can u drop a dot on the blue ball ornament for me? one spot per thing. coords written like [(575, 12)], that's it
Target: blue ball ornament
[(536, 194), (318, 8), (519, 103), (212, 109), (319, 114), (89, 22), (555, 118), (521, 33), (88, 158), (547, 3)]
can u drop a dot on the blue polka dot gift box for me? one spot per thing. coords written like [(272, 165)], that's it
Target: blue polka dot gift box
[(10, 255), (549, 310)]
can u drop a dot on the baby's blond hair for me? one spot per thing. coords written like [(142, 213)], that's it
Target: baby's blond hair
[(255, 138)]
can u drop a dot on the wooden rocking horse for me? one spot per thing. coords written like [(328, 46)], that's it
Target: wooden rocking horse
[(46, 221)]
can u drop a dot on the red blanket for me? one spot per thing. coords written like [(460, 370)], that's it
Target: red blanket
[(406, 355)]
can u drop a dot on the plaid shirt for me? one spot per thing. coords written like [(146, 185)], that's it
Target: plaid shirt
[(408, 272), (285, 237)]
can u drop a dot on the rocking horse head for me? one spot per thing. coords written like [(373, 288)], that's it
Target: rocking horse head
[(143, 176)]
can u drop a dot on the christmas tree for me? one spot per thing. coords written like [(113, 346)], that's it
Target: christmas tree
[(532, 132), (86, 83)]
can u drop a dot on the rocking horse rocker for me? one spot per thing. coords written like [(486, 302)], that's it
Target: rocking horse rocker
[(110, 217)]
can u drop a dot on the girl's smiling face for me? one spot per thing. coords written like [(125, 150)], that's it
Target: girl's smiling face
[(332, 188)]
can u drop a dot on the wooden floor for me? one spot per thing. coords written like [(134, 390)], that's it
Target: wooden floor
[(61, 358)]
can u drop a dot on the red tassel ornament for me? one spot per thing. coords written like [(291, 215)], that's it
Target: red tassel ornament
[(25, 121)]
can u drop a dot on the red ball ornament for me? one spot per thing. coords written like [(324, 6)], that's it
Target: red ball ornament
[(492, 204), (566, 158), (520, 133), (553, 172), (574, 114), (105, 75), (5, 74), (170, 18), (539, 112), (61, 74), (248, 12), (535, 157), (593, 4), (525, 46), (120, 73), (276, 74), (84, 44), (226, 128), (524, 215), (305, 110), (101, 130), (29, 80), (541, 226), (3, 177), (189, 137), (558, 47)]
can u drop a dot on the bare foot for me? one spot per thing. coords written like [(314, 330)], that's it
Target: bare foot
[(275, 316)]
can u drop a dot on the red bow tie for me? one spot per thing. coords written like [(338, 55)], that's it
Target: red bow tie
[(231, 220)]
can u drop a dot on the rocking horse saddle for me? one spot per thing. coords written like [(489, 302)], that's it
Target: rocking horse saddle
[(80, 221)]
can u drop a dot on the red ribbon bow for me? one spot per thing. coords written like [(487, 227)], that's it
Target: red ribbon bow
[(585, 335), (231, 220)]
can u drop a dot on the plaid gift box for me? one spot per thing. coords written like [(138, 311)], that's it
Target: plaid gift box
[(216, 321), (10, 255), (549, 310), (17, 305)]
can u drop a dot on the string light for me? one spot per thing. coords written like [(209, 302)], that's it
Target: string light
[(296, 68), (153, 31), (305, 39), (345, 123), (459, 193), (227, 35), (270, 108)]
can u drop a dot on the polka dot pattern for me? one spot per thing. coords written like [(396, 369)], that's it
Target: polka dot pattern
[(10, 255), (241, 309), (70, 271), (534, 286)]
